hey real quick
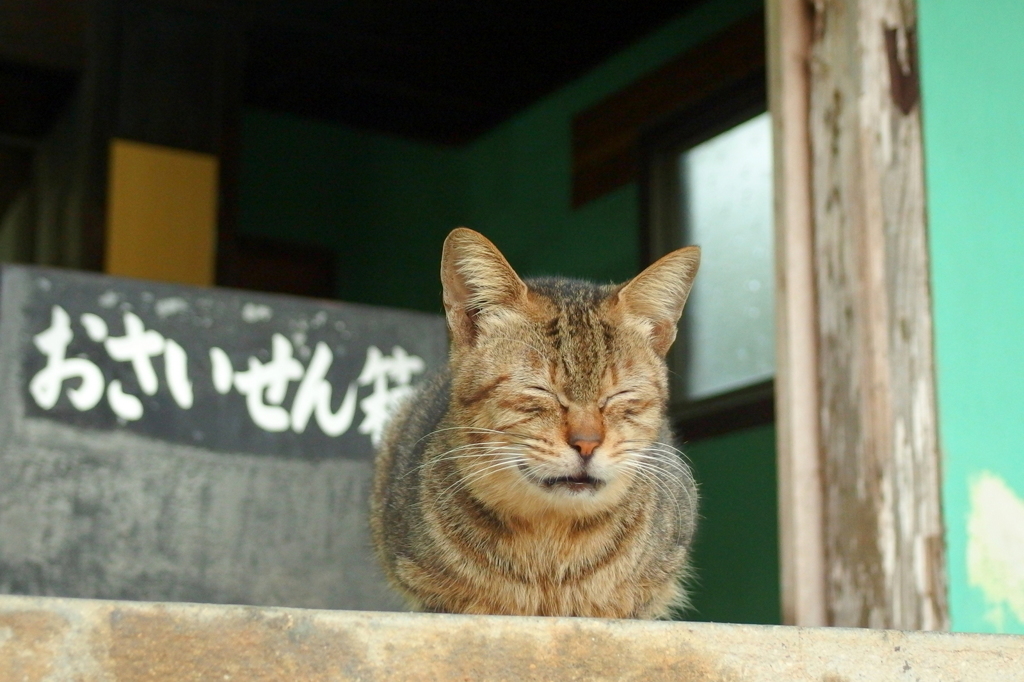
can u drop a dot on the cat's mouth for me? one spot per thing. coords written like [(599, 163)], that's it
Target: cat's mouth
[(575, 484)]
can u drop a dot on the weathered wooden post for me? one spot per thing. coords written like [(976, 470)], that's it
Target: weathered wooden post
[(850, 212), (796, 381)]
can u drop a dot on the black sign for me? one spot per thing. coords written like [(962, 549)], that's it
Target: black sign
[(223, 370), (186, 444)]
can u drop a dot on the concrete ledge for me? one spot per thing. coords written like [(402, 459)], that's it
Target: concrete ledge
[(88, 640)]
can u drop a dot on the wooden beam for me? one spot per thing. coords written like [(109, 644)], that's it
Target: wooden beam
[(78, 639), (884, 545), (801, 549)]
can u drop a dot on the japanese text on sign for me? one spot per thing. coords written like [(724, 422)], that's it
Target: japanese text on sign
[(264, 385)]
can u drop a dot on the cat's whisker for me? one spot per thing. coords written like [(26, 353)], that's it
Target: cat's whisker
[(656, 443), (640, 473), (475, 446), (459, 482), (672, 450), (481, 455), (666, 447), (655, 466), (477, 455), (478, 430), (655, 450), (473, 451), (677, 473), (662, 458), (657, 483), (516, 438), (479, 474), (480, 445), (673, 454), (676, 469), (654, 479), (488, 452), (660, 485), (681, 476)]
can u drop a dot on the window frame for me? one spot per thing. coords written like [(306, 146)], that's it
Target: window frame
[(662, 231)]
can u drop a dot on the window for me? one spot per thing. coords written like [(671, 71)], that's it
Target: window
[(709, 182)]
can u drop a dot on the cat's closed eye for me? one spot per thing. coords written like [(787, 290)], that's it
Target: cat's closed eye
[(542, 392), (617, 396), (528, 407), (535, 400)]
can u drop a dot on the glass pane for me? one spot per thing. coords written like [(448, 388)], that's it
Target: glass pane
[(727, 211)]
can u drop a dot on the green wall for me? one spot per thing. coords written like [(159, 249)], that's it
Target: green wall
[(385, 205), (735, 553), (972, 60)]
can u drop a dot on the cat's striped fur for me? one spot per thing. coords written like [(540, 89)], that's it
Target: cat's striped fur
[(536, 475)]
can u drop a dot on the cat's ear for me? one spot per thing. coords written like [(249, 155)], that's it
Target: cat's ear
[(656, 296), (476, 278)]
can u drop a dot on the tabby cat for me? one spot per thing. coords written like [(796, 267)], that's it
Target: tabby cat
[(535, 475)]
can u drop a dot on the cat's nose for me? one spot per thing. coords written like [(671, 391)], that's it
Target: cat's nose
[(585, 444)]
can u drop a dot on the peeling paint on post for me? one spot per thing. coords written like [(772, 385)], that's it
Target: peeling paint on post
[(884, 548)]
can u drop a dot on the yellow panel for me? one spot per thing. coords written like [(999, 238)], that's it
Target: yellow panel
[(161, 213)]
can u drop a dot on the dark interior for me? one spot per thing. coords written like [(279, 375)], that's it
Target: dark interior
[(434, 71)]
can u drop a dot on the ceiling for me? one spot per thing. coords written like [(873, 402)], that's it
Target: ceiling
[(443, 71)]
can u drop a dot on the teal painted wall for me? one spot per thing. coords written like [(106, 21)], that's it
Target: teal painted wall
[(385, 205), (972, 61), (735, 553)]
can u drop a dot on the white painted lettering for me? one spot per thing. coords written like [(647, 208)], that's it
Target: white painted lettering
[(176, 369), (46, 385), (381, 403), (138, 346), (223, 372), (125, 405), (265, 385), (314, 395)]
